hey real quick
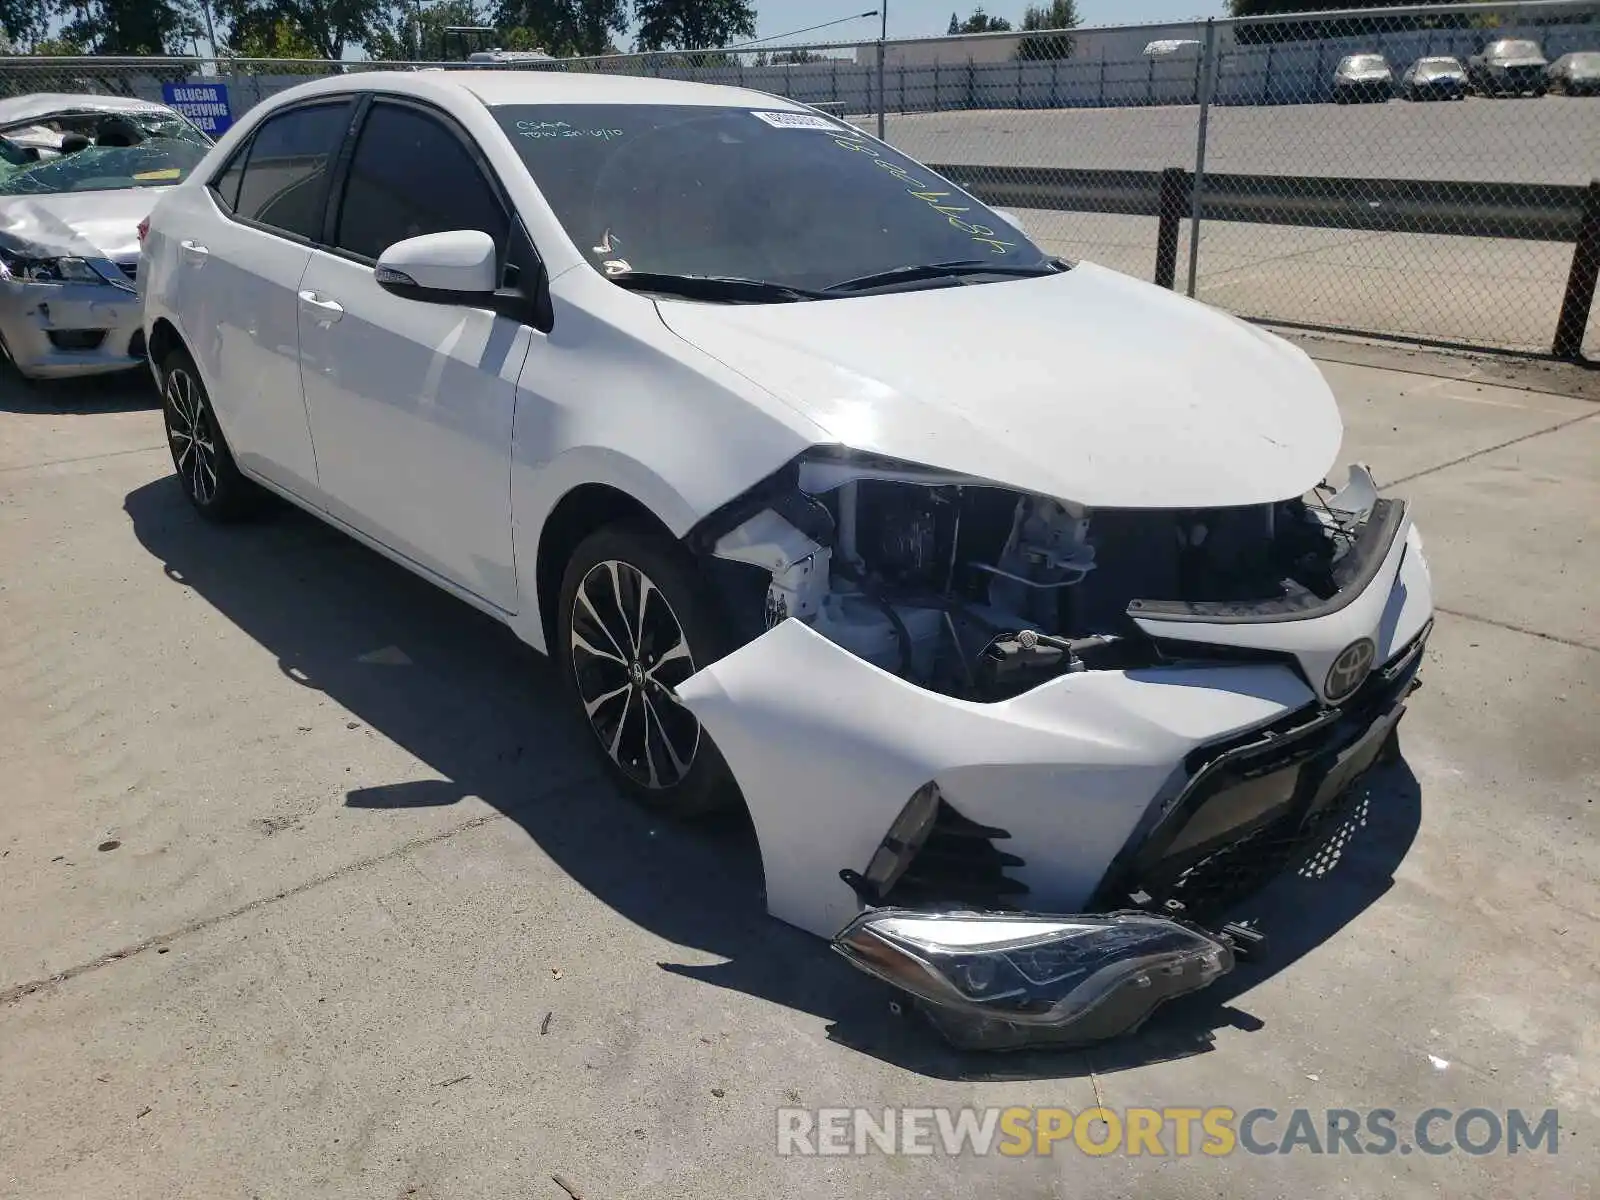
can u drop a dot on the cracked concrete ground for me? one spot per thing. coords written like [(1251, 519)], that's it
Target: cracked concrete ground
[(310, 889)]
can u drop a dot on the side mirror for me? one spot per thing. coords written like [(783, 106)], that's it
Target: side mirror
[(448, 268), (1012, 219), (462, 267)]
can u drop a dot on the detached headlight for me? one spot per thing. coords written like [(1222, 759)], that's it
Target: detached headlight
[(50, 270), (1005, 980)]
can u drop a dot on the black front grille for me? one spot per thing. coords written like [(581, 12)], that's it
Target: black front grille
[(959, 864), (1209, 871), (76, 339)]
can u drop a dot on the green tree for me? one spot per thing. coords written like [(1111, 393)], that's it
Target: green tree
[(955, 25), (1317, 28), (282, 40), (982, 22), (693, 24), (1057, 15), (781, 57), (563, 26), (22, 21), (330, 26), (128, 26), (58, 48), (396, 39)]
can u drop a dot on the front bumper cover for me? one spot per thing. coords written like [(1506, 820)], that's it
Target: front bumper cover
[(1172, 789)]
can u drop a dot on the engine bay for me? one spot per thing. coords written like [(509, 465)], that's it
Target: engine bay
[(982, 593)]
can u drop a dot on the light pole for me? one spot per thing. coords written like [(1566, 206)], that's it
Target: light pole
[(883, 70)]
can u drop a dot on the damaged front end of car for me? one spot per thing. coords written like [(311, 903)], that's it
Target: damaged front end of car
[(1015, 756)]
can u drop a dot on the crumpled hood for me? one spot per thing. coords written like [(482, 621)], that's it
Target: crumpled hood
[(85, 224), (1088, 386)]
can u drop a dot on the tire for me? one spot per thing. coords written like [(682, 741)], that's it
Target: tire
[(200, 455), (618, 669)]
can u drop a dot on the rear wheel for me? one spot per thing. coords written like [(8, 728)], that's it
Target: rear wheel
[(200, 453), (636, 620)]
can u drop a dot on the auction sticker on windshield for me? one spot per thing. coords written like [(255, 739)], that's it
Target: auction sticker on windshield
[(794, 120)]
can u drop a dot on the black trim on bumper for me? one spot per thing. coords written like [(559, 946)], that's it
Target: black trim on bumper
[(1252, 803)]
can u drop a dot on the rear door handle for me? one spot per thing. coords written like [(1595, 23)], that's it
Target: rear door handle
[(324, 312), (194, 251)]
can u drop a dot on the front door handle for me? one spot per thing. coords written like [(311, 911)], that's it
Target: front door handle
[(324, 312)]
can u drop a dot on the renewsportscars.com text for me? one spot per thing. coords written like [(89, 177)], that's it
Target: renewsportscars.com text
[(1163, 1132)]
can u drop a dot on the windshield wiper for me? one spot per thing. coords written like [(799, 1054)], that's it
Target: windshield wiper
[(712, 287), (944, 270)]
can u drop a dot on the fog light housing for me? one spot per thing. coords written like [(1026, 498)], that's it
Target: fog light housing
[(900, 845), (1001, 981)]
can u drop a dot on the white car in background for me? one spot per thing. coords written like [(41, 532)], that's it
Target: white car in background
[(1006, 593), (77, 175)]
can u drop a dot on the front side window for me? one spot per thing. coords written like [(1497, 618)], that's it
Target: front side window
[(99, 151), (790, 198), (411, 175), (285, 179)]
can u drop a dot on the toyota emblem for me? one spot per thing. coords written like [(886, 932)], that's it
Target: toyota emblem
[(1349, 670)]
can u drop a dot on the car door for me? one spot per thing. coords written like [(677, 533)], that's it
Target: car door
[(239, 277), (411, 403)]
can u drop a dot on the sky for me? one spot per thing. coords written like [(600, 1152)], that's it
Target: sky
[(925, 18)]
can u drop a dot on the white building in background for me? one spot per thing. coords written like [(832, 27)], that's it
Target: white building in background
[(1117, 44)]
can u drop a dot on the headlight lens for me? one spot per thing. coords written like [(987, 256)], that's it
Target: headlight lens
[(1004, 980), (50, 270)]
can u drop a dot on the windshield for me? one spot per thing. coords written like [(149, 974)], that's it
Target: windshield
[(85, 152), (1515, 49), (790, 198), (1365, 62), (1589, 62), (1438, 68)]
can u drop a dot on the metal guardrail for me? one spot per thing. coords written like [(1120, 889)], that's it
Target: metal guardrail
[(1514, 211)]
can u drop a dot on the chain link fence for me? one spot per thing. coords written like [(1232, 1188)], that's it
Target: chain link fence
[(1425, 173)]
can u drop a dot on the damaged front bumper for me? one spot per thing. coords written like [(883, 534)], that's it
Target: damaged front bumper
[(931, 837)]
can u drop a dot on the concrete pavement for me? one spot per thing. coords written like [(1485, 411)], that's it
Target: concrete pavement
[(366, 922)]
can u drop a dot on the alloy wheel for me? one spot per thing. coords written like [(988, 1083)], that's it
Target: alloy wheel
[(629, 653), (192, 435)]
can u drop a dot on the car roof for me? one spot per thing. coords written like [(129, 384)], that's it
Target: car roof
[(22, 109), (494, 88)]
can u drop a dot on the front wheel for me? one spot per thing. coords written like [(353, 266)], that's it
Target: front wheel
[(636, 620)]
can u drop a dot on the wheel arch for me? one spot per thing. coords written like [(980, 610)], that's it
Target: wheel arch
[(582, 511), (163, 340)]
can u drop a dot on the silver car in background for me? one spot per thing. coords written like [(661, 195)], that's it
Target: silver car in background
[(77, 176), (1576, 74)]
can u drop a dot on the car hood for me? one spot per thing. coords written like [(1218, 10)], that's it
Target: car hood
[(1519, 61), (1088, 386), (85, 224)]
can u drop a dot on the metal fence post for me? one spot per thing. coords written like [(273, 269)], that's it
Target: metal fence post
[(1579, 300), (1208, 76), (883, 87), (1174, 200)]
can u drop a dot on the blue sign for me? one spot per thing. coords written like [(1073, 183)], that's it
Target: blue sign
[(206, 104)]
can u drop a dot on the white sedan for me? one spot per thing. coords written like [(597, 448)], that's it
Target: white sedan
[(77, 175), (1006, 593)]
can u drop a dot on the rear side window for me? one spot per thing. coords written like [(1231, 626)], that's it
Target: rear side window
[(410, 175), (284, 182)]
